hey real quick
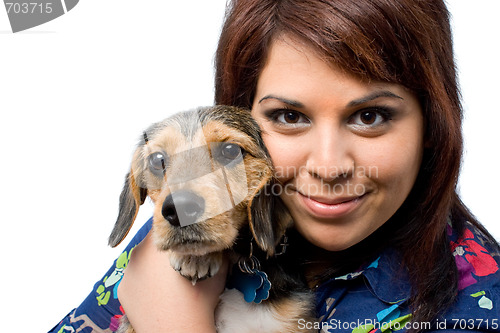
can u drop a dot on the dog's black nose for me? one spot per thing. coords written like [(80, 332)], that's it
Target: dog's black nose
[(182, 208)]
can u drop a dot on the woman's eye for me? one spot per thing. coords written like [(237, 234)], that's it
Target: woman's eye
[(370, 118), (158, 163), (286, 117)]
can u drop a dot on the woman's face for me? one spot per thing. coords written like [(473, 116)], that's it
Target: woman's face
[(346, 152)]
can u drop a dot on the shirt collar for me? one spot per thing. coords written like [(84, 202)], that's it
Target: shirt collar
[(386, 277)]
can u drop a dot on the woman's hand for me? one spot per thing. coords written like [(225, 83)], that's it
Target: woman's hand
[(158, 299)]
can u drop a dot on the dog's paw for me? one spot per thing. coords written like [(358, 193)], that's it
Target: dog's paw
[(196, 268)]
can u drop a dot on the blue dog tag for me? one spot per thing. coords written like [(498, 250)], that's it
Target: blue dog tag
[(263, 292), (247, 284), (254, 287)]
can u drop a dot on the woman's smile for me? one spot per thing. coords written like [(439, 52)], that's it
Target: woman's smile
[(330, 208), (326, 203)]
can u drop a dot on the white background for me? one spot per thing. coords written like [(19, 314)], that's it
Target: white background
[(76, 93)]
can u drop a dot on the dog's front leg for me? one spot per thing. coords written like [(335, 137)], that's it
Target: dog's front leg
[(196, 268)]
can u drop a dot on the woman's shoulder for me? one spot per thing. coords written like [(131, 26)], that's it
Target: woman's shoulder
[(380, 292)]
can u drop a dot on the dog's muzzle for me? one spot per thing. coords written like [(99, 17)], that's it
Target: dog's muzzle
[(183, 208)]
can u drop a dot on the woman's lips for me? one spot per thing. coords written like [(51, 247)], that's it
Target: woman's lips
[(330, 207)]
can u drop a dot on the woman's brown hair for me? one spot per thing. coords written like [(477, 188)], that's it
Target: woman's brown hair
[(407, 42)]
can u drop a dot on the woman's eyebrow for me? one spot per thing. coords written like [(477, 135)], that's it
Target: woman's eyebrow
[(290, 102), (373, 96), (356, 102)]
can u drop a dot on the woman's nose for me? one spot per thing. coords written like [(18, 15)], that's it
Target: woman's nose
[(330, 158)]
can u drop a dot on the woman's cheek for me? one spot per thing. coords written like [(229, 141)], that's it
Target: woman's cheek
[(285, 155), (395, 170)]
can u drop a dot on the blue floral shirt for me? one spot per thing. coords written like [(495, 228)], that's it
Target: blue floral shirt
[(373, 299), (101, 311)]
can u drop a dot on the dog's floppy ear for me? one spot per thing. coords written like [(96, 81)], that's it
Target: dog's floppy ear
[(268, 216), (131, 198)]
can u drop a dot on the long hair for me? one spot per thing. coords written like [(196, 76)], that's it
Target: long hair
[(407, 42)]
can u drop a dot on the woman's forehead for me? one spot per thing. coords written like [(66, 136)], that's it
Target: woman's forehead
[(295, 70)]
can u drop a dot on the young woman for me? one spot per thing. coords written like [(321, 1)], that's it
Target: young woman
[(343, 88), (360, 110)]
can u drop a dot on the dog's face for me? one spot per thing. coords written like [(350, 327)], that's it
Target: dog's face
[(206, 172)]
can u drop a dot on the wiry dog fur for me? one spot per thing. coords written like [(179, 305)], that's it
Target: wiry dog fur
[(196, 249)]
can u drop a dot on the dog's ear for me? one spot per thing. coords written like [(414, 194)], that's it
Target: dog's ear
[(131, 198), (268, 216)]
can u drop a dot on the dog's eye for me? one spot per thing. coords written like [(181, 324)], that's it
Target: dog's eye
[(158, 163), (226, 153)]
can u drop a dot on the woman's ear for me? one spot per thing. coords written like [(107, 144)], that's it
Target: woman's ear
[(131, 198)]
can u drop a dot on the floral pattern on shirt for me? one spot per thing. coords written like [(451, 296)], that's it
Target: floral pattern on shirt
[(472, 260), (101, 311), (375, 299)]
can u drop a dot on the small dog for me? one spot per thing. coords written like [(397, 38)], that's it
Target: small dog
[(209, 176)]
